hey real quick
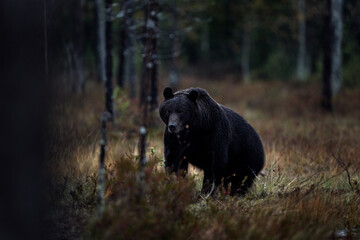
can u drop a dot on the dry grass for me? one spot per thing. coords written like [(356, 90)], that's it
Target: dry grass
[(303, 192)]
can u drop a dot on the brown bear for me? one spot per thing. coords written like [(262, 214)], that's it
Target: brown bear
[(211, 137)]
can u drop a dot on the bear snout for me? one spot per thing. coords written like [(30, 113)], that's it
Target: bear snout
[(174, 124), (172, 127)]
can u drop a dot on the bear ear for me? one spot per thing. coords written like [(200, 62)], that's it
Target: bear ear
[(193, 95), (168, 93)]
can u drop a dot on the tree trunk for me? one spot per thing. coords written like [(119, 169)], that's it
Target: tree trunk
[(105, 50), (109, 61), (101, 39), (149, 77), (336, 26), (327, 66), (121, 49), (301, 66), (130, 52), (245, 53), (79, 81), (150, 72), (144, 55), (174, 72), (154, 57), (332, 75), (75, 51), (68, 81), (101, 177)]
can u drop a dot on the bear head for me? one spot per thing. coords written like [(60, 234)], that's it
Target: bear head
[(178, 111)]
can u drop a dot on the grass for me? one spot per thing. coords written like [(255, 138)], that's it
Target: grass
[(302, 193)]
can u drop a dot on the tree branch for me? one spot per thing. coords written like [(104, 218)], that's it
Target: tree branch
[(341, 163)]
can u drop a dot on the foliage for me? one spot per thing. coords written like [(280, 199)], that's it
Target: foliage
[(210, 33), (279, 65), (351, 61)]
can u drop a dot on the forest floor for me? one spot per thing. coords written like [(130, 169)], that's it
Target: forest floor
[(308, 189)]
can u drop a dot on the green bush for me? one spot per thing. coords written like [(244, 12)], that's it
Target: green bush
[(280, 65), (351, 63)]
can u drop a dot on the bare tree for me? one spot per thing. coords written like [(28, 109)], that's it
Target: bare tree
[(149, 77), (109, 61), (332, 76), (79, 83), (101, 177), (144, 37), (74, 79), (301, 71), (100, 9), (130, 46), (150, 72), (337, 28), (105, 48), (101, 51), (121, 48), (154, 10), (174, 37)]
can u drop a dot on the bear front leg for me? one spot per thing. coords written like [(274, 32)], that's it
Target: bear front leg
[(183, 166), (171, 161), (208, 186), (171, 147), (214, 173), (175, 163), (220, 161), (176, 157), (242, 182)]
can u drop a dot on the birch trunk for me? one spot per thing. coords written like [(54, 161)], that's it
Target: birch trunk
[(154, 10), (150, 72), (337, 28), (101, 177), (121, 49), (130, 52), (105, 52), (100, 9), (144, 55), (174, 72), (109, 62), (332, 73), (301, 65)]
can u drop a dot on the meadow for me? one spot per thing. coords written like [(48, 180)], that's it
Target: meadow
[(308, 189)]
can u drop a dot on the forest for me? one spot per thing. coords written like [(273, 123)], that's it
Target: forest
[(82, 141)]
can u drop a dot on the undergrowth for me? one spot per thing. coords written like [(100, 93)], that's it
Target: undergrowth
[(309, 188)]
